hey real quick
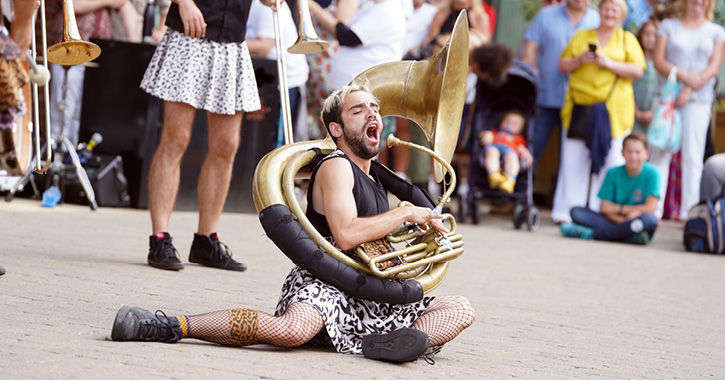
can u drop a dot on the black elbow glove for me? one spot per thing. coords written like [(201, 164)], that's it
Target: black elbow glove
[(346, 37)]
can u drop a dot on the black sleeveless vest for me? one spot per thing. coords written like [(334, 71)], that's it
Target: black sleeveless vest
[(371, 198)]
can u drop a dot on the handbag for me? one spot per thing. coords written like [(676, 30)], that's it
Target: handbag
[(580, 114), (665, 130)]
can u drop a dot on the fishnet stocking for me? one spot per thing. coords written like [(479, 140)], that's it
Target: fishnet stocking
[(243, 327), (445, 318)]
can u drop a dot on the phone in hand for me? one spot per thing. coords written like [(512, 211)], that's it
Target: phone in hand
[(592, 47)]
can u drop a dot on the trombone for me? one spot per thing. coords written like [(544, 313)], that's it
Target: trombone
[(70, 51), (307, 43)]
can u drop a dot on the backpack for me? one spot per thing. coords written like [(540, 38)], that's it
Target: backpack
[(704, 226)]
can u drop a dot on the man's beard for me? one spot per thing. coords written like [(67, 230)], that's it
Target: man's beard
[(357, 145)]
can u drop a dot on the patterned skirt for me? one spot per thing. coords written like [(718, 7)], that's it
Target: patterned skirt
[(347, 319), (213, 76)]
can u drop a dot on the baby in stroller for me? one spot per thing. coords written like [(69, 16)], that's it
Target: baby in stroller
[(507, 103), (506, 144)]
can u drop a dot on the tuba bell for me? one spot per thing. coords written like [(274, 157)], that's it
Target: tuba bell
[(432, 94)]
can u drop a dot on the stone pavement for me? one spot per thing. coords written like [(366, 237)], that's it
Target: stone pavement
[(547, 307)]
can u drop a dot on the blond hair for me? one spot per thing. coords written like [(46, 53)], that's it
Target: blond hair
[(622, 4), (332, 107), (681, 9), (475, 4)]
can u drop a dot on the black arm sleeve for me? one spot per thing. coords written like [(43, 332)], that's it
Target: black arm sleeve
[(401, 188), (345, 36), (282, 227)]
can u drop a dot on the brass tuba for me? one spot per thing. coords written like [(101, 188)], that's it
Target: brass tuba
[(432, 94)]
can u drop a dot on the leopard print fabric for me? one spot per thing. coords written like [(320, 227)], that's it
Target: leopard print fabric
[(13, 76), (217, 77), (380, 247), (243, 324), (347, 319)]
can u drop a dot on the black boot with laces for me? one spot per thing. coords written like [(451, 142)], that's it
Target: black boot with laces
[(209, 251), (400, 346), (135, 323), (162, 253)]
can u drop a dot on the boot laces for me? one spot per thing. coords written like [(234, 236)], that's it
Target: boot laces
[(428, 359), (221, 250), (158, 329), (167, 249)]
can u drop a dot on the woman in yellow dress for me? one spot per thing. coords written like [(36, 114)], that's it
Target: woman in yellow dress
[(600, 61)]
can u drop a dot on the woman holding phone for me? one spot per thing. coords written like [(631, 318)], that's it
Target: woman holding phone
[(602, 63)]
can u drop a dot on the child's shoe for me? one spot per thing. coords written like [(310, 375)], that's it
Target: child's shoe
[(641, 238), (495, 179), (577, 231), (507, 185)]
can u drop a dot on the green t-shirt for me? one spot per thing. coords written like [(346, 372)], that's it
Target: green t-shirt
[(620, 188)]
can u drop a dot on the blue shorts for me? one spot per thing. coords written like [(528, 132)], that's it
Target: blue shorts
[(502, 148)]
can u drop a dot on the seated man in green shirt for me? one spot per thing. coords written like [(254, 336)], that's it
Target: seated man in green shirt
[(629, 197)]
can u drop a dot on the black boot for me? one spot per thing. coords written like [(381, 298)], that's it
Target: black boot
[(209, 251), (399, 346), (162, 253), (135, 323)]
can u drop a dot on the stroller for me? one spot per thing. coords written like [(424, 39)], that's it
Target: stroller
[(517, 91)]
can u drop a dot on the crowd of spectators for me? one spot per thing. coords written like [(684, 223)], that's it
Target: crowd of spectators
[(613, 53), (617, 54), (608, 65)]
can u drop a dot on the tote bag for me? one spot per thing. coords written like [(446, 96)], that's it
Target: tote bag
[(665, 130)]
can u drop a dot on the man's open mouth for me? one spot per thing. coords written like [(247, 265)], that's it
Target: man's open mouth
[(372, 132)]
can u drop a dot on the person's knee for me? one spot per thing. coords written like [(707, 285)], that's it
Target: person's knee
[(511, 157), (224, 147), (714, 166), (492, 154), (649, 220), (464, 310), (295, 334), (174, 141), (578, 213)]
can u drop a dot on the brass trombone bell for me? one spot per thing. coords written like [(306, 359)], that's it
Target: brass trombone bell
[(72, 50), (307, 41)]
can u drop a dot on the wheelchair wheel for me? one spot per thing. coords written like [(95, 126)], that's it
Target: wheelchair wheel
[(533, 219)]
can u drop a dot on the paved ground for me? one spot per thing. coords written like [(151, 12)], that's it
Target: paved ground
[(547, 307)]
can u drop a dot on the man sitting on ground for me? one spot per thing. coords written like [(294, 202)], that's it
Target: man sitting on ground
[(349, 206)]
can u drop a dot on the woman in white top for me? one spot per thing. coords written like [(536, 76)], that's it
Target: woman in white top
[(694, 45)]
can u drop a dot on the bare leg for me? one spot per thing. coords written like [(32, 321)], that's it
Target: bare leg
[(216, 173), (511, 164), (493, 158), (445, 318), (242, 327), (165, 167)]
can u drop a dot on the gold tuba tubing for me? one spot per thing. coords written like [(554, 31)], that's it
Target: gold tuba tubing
[(430, 93)]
